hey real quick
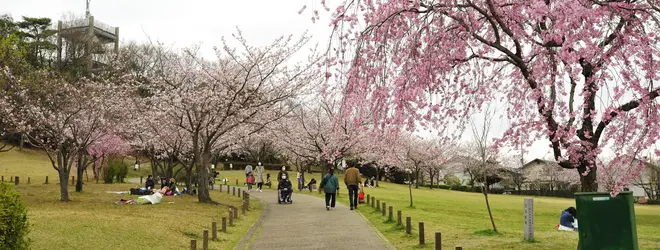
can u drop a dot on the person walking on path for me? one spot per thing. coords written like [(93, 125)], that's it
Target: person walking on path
[(330, 185), (260, 176), (352, 180)]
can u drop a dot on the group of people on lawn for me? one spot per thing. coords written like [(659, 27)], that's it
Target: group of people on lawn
[(167, 186)]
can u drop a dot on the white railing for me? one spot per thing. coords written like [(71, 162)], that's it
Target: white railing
[(85, 23)]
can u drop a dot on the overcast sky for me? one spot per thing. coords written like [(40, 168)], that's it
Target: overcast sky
[(185, 23)]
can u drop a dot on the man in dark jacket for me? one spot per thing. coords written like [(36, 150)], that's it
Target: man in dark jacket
[(150, 183), (285, 183)]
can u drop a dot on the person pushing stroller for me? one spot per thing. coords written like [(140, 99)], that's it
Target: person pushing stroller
[(284, 190)]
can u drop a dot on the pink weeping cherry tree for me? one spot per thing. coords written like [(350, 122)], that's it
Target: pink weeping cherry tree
[(577, 73)]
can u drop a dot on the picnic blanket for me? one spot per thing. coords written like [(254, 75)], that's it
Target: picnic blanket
[(150, 199), (117, 192)]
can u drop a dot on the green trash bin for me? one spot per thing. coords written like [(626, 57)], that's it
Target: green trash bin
[(606, 222)]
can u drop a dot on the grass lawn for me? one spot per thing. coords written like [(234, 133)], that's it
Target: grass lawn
[(92, 220), (463, 220)]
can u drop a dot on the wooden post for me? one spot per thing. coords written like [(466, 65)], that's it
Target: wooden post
[(233, 191), (224, 224), (231, 217), (459, 248), (408, 225), (236, 182), (220, 188), (377, 205), (214, 229), (235, 213), (11, 179), (368, 199), (193, 244), (243, 208), (384, 210), (3, 178), (228, 189), (140, 179), (438, 241), (247, 202), (421, 233), (239, 193), (390, 217), (46, 180), (29, 180), (398, 217), (16, 181), (205, 242)]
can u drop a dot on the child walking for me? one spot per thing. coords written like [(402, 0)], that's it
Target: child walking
[(250, 181)]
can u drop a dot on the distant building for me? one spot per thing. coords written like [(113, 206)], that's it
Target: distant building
[(83, 41)]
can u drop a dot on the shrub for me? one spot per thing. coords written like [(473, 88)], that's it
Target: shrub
[(13, 214), (108, 174), (451, 180), (121, 171), (444, 186), (116, 169), (460, 188), (496, 190)]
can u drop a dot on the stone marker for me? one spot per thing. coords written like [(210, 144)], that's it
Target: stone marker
[(529, 219)]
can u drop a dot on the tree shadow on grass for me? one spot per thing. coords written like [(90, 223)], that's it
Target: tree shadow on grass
[(486, 232)]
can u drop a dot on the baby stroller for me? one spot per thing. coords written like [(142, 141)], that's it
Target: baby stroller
[(284, 192)]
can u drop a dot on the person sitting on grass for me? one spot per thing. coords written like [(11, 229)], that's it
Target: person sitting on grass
[(171, 188), (268, 182), (566, 220), (150, 183), (311, 185)]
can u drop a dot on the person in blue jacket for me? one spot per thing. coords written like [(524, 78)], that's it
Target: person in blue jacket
[(567, 218)]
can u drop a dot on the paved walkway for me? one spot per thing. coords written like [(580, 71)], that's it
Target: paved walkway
[(306, 224)]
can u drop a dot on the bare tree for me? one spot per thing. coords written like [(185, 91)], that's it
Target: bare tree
[(485, 158)]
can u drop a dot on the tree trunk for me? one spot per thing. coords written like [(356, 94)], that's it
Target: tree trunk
[(431, 180), (79, 173), (154, 169), (63, 172), (490, 214), (377, 175), (203, 178), (588, 183), (410, 189), (189, 174), (20, 144), (80, 170)]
